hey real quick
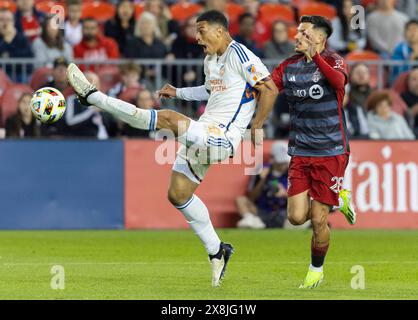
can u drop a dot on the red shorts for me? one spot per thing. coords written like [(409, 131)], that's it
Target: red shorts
[(322, 176)]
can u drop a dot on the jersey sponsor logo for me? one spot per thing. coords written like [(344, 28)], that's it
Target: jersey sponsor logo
[(300, 93), (316, 92), (217, 85)]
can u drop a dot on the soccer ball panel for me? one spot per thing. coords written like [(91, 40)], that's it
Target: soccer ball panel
[(48, 105)]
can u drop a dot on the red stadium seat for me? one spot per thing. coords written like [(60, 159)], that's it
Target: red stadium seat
[(10, 98), (183, 11), (271, 12), (291, 32), (398, 105), (139, 8), (46, 6), (5, 81), (11, 5), (40, 77), (102, 11), (401, 83), (366, 55), (321, 9), (234, 10), (298, 3), (109, 76)]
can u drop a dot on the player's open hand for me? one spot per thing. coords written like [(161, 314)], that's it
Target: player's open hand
[(312, 43), (167, 92)]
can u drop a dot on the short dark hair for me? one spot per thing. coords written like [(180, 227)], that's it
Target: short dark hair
[(244, 16), (214, 17), (319, 22), (410, 23)]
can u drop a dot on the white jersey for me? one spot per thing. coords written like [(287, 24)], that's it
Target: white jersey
[(230, 79)]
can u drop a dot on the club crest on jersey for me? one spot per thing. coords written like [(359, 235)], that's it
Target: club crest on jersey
[(316, 76)]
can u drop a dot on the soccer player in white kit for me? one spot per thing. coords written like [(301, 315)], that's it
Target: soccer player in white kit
[(236, 82)]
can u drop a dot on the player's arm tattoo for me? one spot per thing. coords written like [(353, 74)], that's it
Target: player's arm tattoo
[(267, 96)]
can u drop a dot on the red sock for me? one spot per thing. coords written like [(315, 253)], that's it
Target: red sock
[(318, 254)]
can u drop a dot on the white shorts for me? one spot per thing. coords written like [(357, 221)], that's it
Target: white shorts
[(205, 144)]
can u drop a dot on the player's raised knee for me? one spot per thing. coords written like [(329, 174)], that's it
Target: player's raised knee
[(177, 197), (296, 220)]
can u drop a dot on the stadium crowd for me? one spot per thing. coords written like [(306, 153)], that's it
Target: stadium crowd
[(158, 29)]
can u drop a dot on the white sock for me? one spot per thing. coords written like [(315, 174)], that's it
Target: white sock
[(319, 269), (135, 117), (197, 215)]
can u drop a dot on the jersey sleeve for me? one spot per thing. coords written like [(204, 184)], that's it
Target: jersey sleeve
[(338, 63), (277, 76), (248, 65)]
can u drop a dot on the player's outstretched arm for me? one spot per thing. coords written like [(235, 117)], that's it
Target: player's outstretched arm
[(189, 94), (267, 96)]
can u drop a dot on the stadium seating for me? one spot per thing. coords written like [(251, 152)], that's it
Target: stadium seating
[(182, 11), (46, 6), (139, 8), (5, 81), (9, 99), (11, 5), (322, 9), (398, 105), (270, 12), (40, 77), (109, 76), (101, 11), (400, 84), (366, 55)]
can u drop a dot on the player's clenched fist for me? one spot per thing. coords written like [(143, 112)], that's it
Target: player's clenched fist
[(167, 92)]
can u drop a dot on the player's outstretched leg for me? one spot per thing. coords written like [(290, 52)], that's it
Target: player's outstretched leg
[(135, 117), (181, 195), (319, 244)]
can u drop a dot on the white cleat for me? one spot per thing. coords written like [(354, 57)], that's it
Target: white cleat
[(79, 82), (219, 262)]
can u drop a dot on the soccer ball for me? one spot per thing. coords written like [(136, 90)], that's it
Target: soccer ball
[(48, 105)]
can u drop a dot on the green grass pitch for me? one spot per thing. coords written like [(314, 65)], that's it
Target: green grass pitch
[(268, 264)]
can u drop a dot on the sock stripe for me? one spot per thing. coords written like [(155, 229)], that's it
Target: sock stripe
[(185, 205), (152, 121)]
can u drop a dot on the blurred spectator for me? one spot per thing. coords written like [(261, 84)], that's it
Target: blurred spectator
[(23, 124), (130, 73), (406, 51), (383, 122), (169, 28), (261, 32), (73, 28), (51, 45), (147, 40), (410, 96), (359, 80), (246, 33), (59, 75), (85, 121), (265, 205), (122, 25), (385, 27), (345, 39), (28, 20), (13, 44), (279, 47), (356, 117), (186, 47), (94, 46), (409, 7), (143, 101)]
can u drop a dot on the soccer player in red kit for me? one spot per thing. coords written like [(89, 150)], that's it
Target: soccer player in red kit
[(313, 81)]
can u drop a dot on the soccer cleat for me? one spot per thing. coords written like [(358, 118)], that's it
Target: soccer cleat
[(312, 280), (219, 262), (346, 207), (80, 84)]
